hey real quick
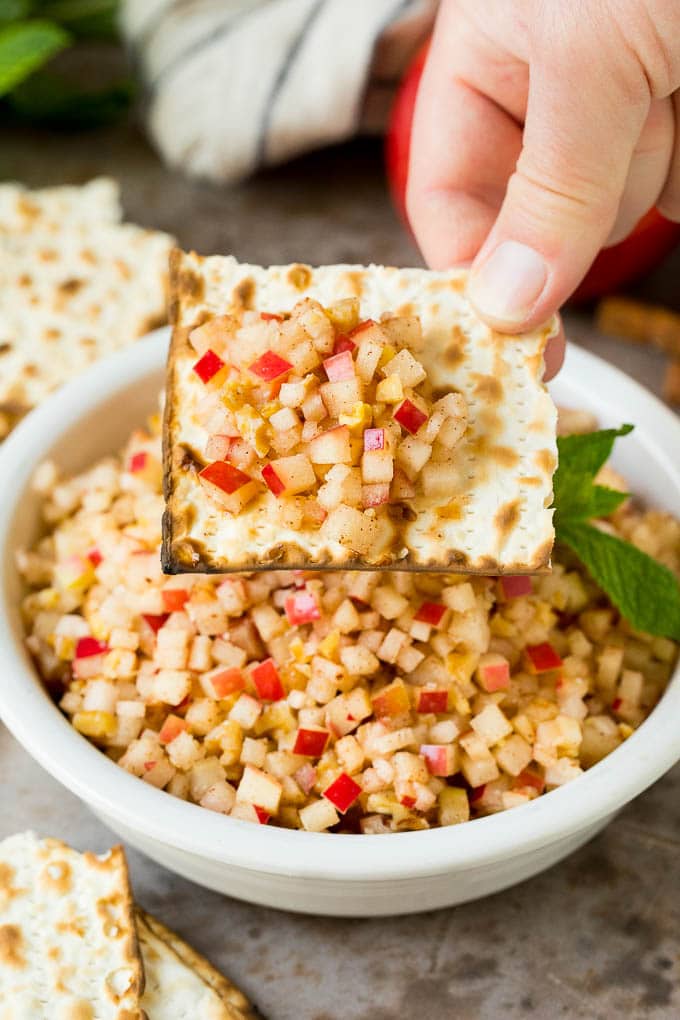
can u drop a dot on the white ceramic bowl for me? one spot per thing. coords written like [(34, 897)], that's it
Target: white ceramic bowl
[(311, 872)]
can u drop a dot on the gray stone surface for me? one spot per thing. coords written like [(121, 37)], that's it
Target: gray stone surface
[(594, 938)]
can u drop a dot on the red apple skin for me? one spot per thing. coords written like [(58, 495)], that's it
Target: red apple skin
[(174, 599), (430, 612), (311, 743), (437, 758), (432, 701), (171, 728), (342, 793), (409, 416), (495, 677), (267, 681), (272, 480), (271, 317), (207, 366), (543, 658), (88, 646), (224, 476), (514, 586), (343, 343), (391, 701), (228, 682), (270, 366), (302, 608), (652, 239), (155, 620), (374, 439), (375, 494), (137, 462), (262, 815), (340, 367), (360, 327)]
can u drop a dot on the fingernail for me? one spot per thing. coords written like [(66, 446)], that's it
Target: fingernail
[(506, 287)]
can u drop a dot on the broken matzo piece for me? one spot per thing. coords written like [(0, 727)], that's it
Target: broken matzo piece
[(181, 983), (350, 416), (68, 942), (75, 285)]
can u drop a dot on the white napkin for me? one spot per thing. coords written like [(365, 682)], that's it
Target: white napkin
[(235, 85)]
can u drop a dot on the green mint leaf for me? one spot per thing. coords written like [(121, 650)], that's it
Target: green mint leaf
[(14, 10), (580, 458), (85, 18), (645, 592), (24, 47)]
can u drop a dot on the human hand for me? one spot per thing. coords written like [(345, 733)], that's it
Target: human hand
[(542, 131)]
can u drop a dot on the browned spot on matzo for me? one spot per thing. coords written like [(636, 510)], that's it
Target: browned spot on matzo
[(11, 946), (507, 517), (546, 461), (299, 276), (488, 387), (244, 293), (57, 876)]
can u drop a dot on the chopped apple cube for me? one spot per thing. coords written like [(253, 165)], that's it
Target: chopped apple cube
[(318, 815), (406, 368), (331, 447), (260, 789)]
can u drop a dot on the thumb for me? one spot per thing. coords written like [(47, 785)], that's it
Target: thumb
[(561, 202)]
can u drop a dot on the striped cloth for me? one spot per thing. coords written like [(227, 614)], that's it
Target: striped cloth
[(235, 85)]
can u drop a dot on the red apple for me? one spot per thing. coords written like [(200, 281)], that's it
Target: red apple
[(87, 646), (340, 367), (174, 599), (342, 793), (543, 657), (229, 681), (493, 672), (155, 620), (267, 681), (137, 462), (262, 815), (408, 802), (171, 728), (343, 343), (375, 494), (207, 366), (354, 333), (374, 439), (430, 612), (302, 608), (311, 742), (224, 476), (513, 586), (274, 483), (270, 366), (392, 700), (95, 557), (439, 758), (331, 447), (432, 701), (409, 416), (529, 778), (271, 317)]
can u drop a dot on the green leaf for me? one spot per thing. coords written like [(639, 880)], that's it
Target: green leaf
[(24, 47), (580, 458), (14, 10), (645, 592), (49, 99), (85, 18)]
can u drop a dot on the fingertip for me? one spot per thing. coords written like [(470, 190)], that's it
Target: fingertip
[(553, 356)]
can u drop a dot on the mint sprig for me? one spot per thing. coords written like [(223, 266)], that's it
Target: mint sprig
[(645, 592)]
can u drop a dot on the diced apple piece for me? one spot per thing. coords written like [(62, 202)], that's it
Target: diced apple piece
[(491, 725), (270, 366), (389, 390), (392, 701), (292, 394), (493, 672), (406, 368), (342, 485), (331, 447), (267, 681), (311, 742), (295, 474), (346, 712), (232, 488), (318, 815), (218, 447), (220, 683), (375, 495), (432, 700), (208, 366), (514, 586), (313, 407), (343, 343), (370, 345), (340, 367), (543, 658), (431, 613), (351, 528), (342, 793), (313, 318), (402, 487), (260, 789), (304, 357), (358, 660), (344, 314), (377, 466), (454, 806), (213, 334), (302, 607), (171, 728), (440, 759), (413, 454), (374, 439), (409, 416), (340, 397), (284, 420), (452, 431)]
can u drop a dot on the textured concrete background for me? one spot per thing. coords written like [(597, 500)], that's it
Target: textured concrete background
[(594, 938)]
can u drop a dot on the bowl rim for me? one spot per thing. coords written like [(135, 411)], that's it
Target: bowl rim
[(44, 732)]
